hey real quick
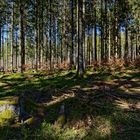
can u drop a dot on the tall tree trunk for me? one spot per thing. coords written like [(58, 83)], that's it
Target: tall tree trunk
[(0, 45), (11, 35), (6, 61), (131, 40), (50, 36), (3, 52), (72, 35), (126, 41), (116, 30), (36, 34), (95, 33), (61, 46), (81, 31), (120, 46), (136, 44), (16, 50), (22, 36), (102, 32), (109, 37), (42, 34)]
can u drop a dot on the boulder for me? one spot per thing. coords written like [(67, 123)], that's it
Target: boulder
[(9, 109), (16, 109)]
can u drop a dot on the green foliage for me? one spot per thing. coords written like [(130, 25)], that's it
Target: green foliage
[(54, 132)]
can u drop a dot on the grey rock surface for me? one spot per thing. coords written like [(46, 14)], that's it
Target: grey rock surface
[(10, 107)]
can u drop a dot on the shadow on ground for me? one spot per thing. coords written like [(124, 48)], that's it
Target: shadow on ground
[(104, 105)]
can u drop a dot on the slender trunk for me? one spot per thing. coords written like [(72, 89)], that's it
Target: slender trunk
[(72, 35), (120, 46), (131, 40), (89, 49), (95, 36), (126, 42), (81, 31), (61, 47), (126, 35), (6, 50), (36, 35), (11, 36), (109, 37), (102, 29), (92, 44), (56, 41), (136, 44), (106, 31), (46, 50), (42, 34), (0, 46), (22, 36), (16, 50), (50, 36), (3, 52), (116, 31)]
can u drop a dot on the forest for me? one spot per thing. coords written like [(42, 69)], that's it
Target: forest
[(70, 69)]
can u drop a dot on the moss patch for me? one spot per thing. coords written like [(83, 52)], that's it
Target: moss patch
[(12, 100)]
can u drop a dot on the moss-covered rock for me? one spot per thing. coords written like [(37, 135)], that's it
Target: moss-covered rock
[(9, 110)]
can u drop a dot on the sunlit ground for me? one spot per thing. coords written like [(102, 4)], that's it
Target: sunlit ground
[(102, 105)]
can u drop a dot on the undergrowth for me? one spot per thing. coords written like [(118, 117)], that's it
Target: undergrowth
[(98, 106)]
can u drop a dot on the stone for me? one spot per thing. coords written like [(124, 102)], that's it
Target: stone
[(13, 108), (9, 109)]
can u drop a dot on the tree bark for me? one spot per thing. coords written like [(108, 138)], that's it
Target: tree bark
[(81, 31), (72, 35), (22, 36), (11, 36)]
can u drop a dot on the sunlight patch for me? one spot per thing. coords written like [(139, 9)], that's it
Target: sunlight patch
[(122, 104), (128, 105), (135, 90), (59, 99), (104, 129)]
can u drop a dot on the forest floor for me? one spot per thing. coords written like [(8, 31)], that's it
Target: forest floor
[(103, 105)]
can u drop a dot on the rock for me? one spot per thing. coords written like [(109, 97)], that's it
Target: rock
[(9, 103), (17, 109), (9, 109)]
